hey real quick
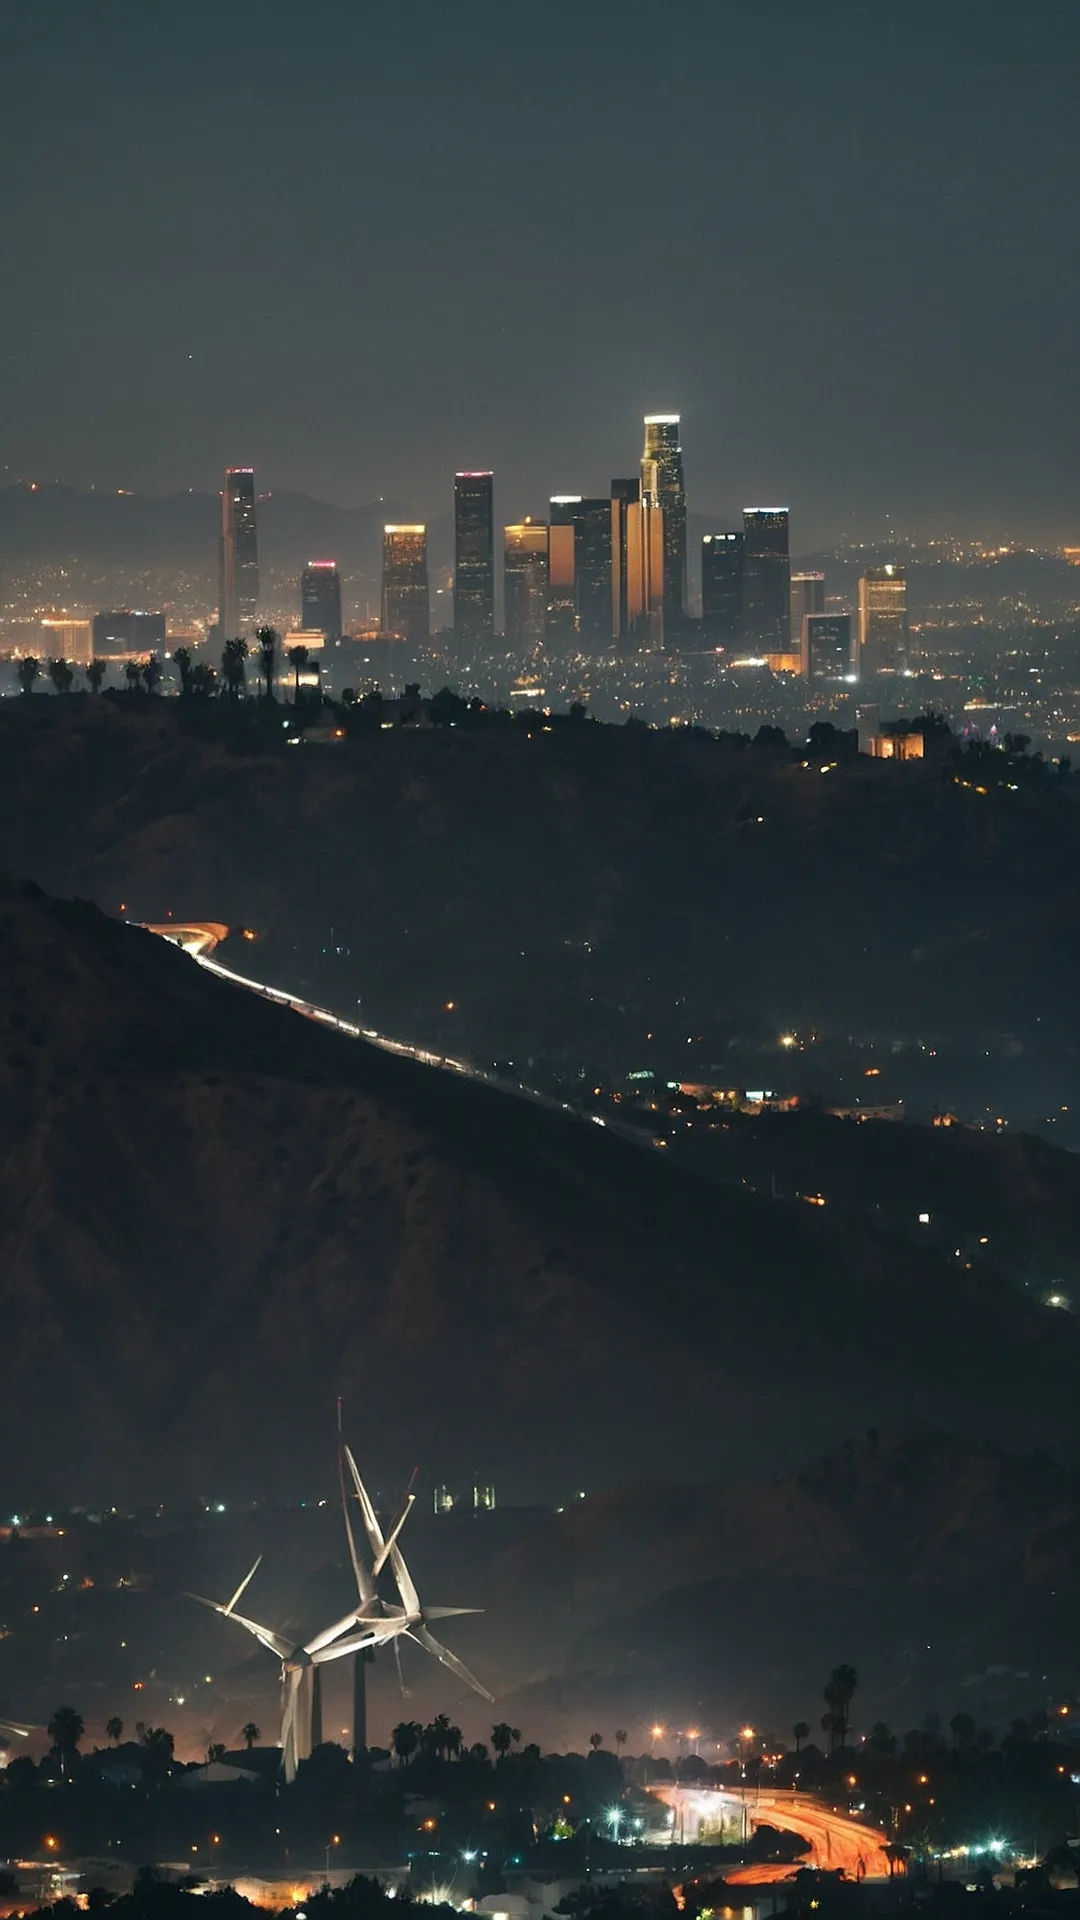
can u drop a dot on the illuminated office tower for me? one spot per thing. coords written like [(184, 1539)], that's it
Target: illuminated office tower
[(592, 574), (883, 620), (646, 556), (562, 583), (406, 608), (525, 585), (320, 598), (722, 588), (827, 647), (766, 578), (64, 638), (624, 494), (238, 598), (663, 454), (807, 596), (474, 558)]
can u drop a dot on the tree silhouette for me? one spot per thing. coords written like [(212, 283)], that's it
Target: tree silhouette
[(215, 1751), (298, 658), (801, 1730), (839, 1691), (405, 1739), (61, 675), (441, 1737), (95, 673), (27, 672), (503, 1737), (65, 1730), (182, 661), (249, 1734), (268, 645), (203, 680), (233, 655), (151, 671), (114, 1729), (596, 1741), (962, 1728), (133, 675)]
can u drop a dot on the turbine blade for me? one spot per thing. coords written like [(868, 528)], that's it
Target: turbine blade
[(328, 1634), (410, 1599), (356, 1643), (371, 1520), (8, 1726), (397, 1662), (274, 1642), (428, 1641), (410, 1501), (448, 1613), (246, 1581), (365, 1585)]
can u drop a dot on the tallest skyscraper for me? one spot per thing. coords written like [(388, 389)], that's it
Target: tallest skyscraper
[(661, 461), (238, 599)]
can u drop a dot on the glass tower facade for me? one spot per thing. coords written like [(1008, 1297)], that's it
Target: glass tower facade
[(406, 606), (320, 598), (827, 647), (238, 556), (592, 574), (525, 586), (663, 454), (883, 620), (474, 558), (722, 588), (767, 578), (562, 582), (624, 495)]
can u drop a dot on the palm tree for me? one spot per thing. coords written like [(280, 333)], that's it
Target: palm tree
[(268, 642), (114, 1729), (60, 674), (503, 1737), (215, 1751), (203, 680), (182, 660), (95, 673), (298, 658), (249, 1734), (801, 1730), (65, 1730), (406, 1738), (27, 671), (151, 672), (233, 655), (158, 1745), (596, 1741), (620, 1739), (839, 1690), (133, 675)]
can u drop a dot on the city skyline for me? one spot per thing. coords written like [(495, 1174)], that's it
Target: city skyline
[(845, 353)]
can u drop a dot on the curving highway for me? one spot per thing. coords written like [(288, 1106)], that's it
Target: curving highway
[(836, 1840)]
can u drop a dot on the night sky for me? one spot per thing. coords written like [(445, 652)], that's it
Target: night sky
[(362, 244)]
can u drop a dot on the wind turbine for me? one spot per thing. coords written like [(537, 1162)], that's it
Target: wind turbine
[(299, 1665), (409, 1620)]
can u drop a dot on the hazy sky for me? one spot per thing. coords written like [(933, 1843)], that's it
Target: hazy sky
[(361, 243)]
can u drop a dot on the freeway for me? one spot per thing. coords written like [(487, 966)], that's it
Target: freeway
[(200, 938), (835, 1839)]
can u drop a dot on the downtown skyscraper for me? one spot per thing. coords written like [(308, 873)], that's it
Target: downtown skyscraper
[(320, 598), (406, 603), (238, 556), (767, 578), (662, 475), (474, 559), (883, 620)]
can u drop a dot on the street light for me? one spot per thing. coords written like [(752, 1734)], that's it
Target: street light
[(334, 1841)]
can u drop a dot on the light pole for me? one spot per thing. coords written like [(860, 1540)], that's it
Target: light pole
[(334, 1841)]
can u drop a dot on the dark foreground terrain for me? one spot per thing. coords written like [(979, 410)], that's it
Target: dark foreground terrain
[(214, 1217)]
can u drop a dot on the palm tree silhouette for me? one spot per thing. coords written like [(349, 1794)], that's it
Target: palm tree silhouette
[(27, 671), (65, 1730), (151, 672), (503, 1737), (233, 655), (299, 657), (182, 660), (839, 1690), (596, 1741), (405, 1738), (113, 1730), (249, 1734), (95, 673), (61, 675), (801, 1730), (268, 642)]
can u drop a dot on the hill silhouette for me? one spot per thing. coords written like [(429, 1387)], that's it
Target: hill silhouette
[(216, 1216)]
